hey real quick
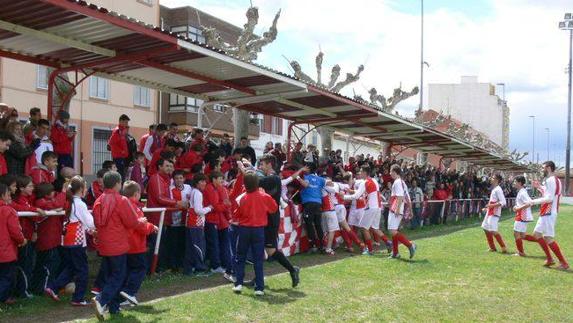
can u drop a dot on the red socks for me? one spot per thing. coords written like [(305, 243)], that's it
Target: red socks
[(519, 245), (402, 238), (346, 239), (531, 238), (489, 237), (369, 245), (499, 240), (557, 251), (354, 237), (545, 248), (395, 242)]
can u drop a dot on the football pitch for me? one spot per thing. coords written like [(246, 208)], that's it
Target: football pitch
[(452, 278)]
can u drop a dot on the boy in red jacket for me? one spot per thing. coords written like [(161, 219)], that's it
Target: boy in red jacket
[(254, 208), (49, 231), (216, 227), (45, 173), (11, 238), (117, 144), (62, 137), (136, 256), (114, 217)]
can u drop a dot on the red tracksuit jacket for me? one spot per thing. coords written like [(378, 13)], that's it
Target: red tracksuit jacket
[(50, 228), (114, 216), (212, 197), (118, 143), (24, 203), (158, 195), (138, 235), (254, 209), (10, 233), (62, 143), (3, 166), (40, 174)]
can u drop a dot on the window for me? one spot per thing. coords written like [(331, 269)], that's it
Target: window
[(272, 125), (100, 152), (179, 103), (219, 108), (141, 96), (99, 88), (42, 77), (190, 32)]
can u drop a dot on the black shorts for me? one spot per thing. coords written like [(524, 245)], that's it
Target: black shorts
[(272, 230)]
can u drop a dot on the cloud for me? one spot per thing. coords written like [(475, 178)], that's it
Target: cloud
[(516, 42)]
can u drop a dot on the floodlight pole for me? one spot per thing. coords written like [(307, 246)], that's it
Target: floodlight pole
[(421, 57), (568, 148)]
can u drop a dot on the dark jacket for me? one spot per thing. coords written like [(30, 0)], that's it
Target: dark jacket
[(17, 154)]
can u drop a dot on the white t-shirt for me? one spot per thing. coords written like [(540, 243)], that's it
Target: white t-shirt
[(521, 199), (496, 196), (552, 192), (177, 216), (399, 190)]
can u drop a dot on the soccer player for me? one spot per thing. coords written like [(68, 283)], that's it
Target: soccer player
[(356, 216), (348, 235), (398, 198), (522, 214), (329, 219), (545, 229), (493, 209)]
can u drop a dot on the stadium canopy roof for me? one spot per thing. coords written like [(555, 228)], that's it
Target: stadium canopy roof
[(71, 35)]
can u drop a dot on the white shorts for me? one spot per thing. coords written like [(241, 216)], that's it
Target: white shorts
[(375, 216), (520, 226), (490, 223), (394, 221), (546, 225), (329, 221), (340, 212), (355, 217)]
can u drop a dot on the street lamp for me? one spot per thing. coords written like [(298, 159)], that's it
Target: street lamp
[(548, 131), (533, 139), (567, 24)]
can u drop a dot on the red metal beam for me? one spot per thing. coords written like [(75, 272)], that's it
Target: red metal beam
[(197, 76), (29, 59), (103, 14)]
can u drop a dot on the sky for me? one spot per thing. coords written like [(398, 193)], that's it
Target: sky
[(516, 42)]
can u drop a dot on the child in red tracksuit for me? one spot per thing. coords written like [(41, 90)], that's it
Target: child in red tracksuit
[(114, 217), (11, 238), (136, 256), (252, 216), (24, 202), (79, 222), (49, 231)]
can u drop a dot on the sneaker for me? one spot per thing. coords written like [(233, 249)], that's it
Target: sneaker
[(349, 249), (259, 293), (392, 256), (295, 276), (549, 263), (412, 250), (519, 254), (96, 291), (80, 303), (218, 270), (237, 289), (330, 252), (492, 250), (129, 298), (100, 310), (48, 291), (230, 278), (365, 252), (125, 304), (563, 266)]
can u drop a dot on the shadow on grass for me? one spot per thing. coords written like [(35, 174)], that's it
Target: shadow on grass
[(146, 309)]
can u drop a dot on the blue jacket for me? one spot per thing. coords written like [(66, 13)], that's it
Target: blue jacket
[(313, 193)]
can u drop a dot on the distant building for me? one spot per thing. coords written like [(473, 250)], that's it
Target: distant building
[(476, 104)]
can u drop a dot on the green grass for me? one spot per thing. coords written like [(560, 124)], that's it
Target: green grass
[(451, 279)]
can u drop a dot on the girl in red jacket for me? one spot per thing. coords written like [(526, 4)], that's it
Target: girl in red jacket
[(11, 238), (136, 256), (24, 202), (49, 232), (79, 221)]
